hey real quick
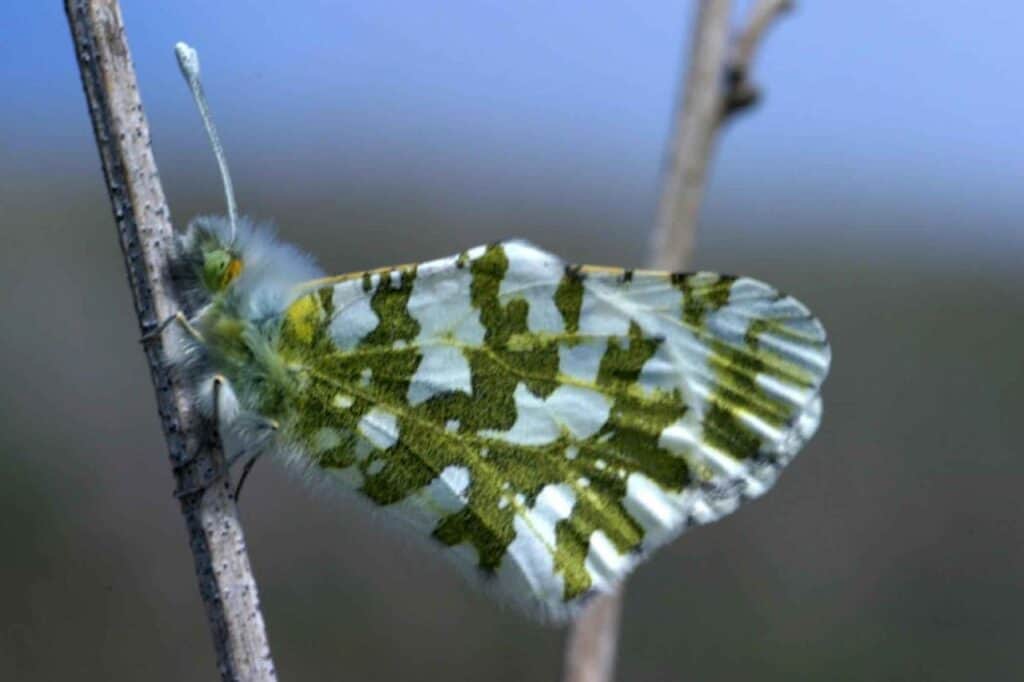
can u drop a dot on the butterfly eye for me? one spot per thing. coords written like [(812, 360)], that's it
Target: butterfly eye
[(220, 268)]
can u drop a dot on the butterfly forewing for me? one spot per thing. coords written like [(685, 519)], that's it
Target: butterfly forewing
[(550, 424)]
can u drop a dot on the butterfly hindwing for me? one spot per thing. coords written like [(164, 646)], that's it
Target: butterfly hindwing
[(550, 424)]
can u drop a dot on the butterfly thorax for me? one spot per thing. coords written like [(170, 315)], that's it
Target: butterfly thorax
[(238, 284), (242, 351)]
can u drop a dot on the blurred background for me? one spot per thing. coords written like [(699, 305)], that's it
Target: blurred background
[(880, 181)]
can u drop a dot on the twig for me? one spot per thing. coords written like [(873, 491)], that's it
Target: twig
[(590, 652), (593, 639), (226, 584), (741, 92), (689, 150), (704, 105)]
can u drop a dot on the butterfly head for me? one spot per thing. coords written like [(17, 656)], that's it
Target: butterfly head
[(215, 262), (245, 263), (211, 258), (229, 258), (220, 265)]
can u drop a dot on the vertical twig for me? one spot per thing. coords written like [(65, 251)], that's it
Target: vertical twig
[(689, 149), (716, 85), (593, 640), (143, 222)]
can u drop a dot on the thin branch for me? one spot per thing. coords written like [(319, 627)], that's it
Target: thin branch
[(226, 584), (689, 150), (590, 650), (741, 92), (593, 639), (704, 106), (706, 100)]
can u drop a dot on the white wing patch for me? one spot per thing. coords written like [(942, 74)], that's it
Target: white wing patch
[(354, 318), (443, 368), (582, 361), (380, 428), (528, 567), (580, 411), (534, 276), (440, 303), (604, 563)]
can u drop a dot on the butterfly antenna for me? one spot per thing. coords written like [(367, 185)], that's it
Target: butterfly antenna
[(188, 60)]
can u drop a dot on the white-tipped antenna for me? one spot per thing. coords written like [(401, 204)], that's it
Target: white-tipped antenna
[(188, 60)]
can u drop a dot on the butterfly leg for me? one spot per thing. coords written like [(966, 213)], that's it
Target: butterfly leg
[(269, 424), (245, 474), (218, 382), (231, 461), (178, 317)]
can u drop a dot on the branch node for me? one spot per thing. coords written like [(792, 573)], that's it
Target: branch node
[(740, 91)]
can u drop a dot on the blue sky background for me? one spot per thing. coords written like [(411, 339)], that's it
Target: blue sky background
[(895, 126)]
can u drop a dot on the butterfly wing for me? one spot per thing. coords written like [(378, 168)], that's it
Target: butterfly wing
[(549, 424)]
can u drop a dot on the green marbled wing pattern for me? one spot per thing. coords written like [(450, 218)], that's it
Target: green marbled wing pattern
[(550, 424)]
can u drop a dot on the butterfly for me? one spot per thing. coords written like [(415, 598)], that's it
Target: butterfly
[(548, 425), (545, 425)]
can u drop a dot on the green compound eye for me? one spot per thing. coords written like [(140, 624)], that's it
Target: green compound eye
[(220, 268)]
